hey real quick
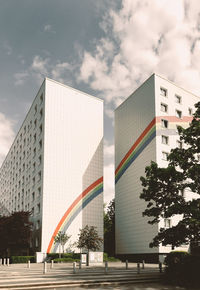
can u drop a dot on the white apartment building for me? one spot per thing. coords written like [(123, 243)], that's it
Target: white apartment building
[(145, 129), (54, 167)]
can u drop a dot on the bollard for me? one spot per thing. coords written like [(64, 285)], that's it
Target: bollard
[(8, 262), (4, 261), (80, 265), (29, 264), (106, 267), (45, 268), (0, 262), (126, 264), (51, 264), (74, 267), (160, 267), (143, 264), (138, 268)]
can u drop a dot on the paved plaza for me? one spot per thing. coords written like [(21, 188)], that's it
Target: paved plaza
[(19, 276)]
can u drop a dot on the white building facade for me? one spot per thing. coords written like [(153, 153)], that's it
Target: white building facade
[(145, 130), (54, 167)]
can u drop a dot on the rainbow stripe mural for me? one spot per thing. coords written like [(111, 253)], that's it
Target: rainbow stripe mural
[(75, 208), (144, 139)]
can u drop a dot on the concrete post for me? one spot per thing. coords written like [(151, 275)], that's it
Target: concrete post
[(143, 264), (160, 267), (51, 264), (106, 267), (138, 268), (4, 261), (29, 264), (126, 264), (8, 262), (1, 262), (80, 265), (45, 268), (74, 267)]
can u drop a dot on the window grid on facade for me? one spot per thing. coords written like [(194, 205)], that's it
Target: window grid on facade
[(163, 92), (164, 155), (164, 123), (163, 107), (178, 114), (165, 139), (178, 99)]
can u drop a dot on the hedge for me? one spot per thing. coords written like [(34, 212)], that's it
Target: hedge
[(22, 259), (65, 260)]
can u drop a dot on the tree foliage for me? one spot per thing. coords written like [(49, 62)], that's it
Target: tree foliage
[(163, 188), (109, 229), (61, 238), (15, 232), (89, 239)]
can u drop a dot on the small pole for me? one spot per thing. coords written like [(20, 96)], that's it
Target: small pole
[(74, 267), (4, 261), (0, 262), (51, 264), (143, 264), (160, 267), (45, 268), (8, 260), (29, 264), (138, 268), (80, 265), (126, 264), (106, 267)]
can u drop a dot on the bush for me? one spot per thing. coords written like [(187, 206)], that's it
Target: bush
[(22, 259), (65, 260), (109, 259), (52, 256), (182, 269)]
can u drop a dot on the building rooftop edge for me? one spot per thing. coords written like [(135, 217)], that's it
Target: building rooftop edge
[(99, 99), (162, 77)]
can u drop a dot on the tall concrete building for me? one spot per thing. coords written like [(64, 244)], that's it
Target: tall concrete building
[(54, 167), (145, 129)]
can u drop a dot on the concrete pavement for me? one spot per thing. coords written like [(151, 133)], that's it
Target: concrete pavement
[(19, 276)]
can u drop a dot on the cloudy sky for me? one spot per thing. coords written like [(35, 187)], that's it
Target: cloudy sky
[(106, 48)]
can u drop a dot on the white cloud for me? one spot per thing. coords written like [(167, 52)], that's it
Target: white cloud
[(20, 78), (48, 28), (143, 37), (6, 136)]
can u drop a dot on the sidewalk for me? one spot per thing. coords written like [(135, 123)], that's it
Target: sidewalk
[(19, 276)]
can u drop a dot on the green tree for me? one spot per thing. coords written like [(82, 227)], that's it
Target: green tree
[(163, 189), (89, 239), (61, 239), (15, 232), (109, 229)]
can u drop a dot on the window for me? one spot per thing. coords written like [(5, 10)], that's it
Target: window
[(35, 110), (178, 99), (165, 139), (163, 92), (36, 242), (40, 128), (164, 155), (178, 114), (33, 196), (163, 107), (190, 111), (34, 138), (34, 152), (164, 123), (38, 208), (41, 113), (39, 191), (40, 159), (41, 99), (167, 223), (39, 176), (37, 224), (35, 123), (179, 144), (40, 144)]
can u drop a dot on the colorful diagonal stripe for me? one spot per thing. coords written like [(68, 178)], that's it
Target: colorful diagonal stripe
[(80, 202), (143, 140)]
